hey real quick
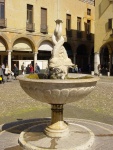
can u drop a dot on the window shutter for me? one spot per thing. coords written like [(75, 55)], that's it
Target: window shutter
[(2, 11), (110, 23), (43, 17), (30, 13), (68, 22)]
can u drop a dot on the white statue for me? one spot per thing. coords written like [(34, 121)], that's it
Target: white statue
[(59, 58)]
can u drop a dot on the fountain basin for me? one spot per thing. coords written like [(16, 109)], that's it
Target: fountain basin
[(57, 91)]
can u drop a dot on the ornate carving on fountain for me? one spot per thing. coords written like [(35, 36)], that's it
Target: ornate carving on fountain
[(59, 58), (57, 93)]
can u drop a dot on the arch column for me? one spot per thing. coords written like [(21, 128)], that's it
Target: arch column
[(96, 62), (74, 57), (9, 58), (110, 62), (35, 58)]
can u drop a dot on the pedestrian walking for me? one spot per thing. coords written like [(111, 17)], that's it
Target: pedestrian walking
[(76, 68), (37, 68), (22, 68), (31, 68), (28, 69), (15, 70), (3, 68), (7, 72), (99, 69)]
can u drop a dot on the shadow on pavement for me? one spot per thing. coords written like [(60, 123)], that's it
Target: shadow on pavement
[(19, 126)]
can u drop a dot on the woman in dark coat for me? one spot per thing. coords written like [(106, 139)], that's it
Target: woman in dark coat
[(15, 70)]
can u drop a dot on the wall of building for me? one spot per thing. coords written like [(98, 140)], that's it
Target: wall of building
[(16, 17)]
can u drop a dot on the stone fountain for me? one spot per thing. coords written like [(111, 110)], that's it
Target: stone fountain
[(56, 91)]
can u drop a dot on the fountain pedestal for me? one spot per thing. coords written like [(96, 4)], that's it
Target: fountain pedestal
[(58, 127)]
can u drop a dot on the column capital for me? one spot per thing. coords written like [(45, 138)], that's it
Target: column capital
[(35, 53), (96, 52), (9, 50)]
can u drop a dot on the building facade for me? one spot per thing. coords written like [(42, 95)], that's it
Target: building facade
[(26, 28), (104, 36)]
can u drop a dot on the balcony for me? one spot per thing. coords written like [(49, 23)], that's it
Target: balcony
[(30, 27), (69, 33), (43, 28), (89, 37), (79, 34), (3, 23)]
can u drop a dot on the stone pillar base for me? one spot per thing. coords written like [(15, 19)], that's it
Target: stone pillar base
[(58, 129)]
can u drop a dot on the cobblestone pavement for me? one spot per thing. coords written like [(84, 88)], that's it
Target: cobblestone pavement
[(15, 104)]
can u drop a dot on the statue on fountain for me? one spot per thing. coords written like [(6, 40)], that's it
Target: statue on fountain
[(59, 63)]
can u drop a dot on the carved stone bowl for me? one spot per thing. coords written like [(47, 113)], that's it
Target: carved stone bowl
[(57, 91)]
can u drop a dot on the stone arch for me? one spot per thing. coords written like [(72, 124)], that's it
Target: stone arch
[(104, 57), (4, 42), (27, 40), (82, 57), (68, 49), (45, 49), (42, 40)]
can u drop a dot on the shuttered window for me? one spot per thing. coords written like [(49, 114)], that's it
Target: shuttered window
[(68, 22), (88, 26), (2, 10), (29, 13), (43, 17), (78, 23)]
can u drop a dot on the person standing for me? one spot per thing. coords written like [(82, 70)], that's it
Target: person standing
[(28, 69), (76, 69), (37, 68), (99, 69), (22, 68), (31, 68), (7, 72), (1, 75), (15, 70), (3, 68)]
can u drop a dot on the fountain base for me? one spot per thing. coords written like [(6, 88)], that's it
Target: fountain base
[(58, 129), (79, 138)]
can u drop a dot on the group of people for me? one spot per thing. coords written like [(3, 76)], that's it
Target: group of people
[(75, 69), (102, 70), (30, 69), (6, 72)]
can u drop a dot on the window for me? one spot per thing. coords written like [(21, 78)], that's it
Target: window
[(2, 13), (29, 13), (88, 26), (68, 22), (88, 11), (43, 20), (78, 23)]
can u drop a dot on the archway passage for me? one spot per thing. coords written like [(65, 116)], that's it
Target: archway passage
[(82, 58), (69, 50), (92, 59), (22, 49), (3, 54), (104, 60), (45, 50)]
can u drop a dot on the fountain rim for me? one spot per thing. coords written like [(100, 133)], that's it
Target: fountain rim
[(74, 80)]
